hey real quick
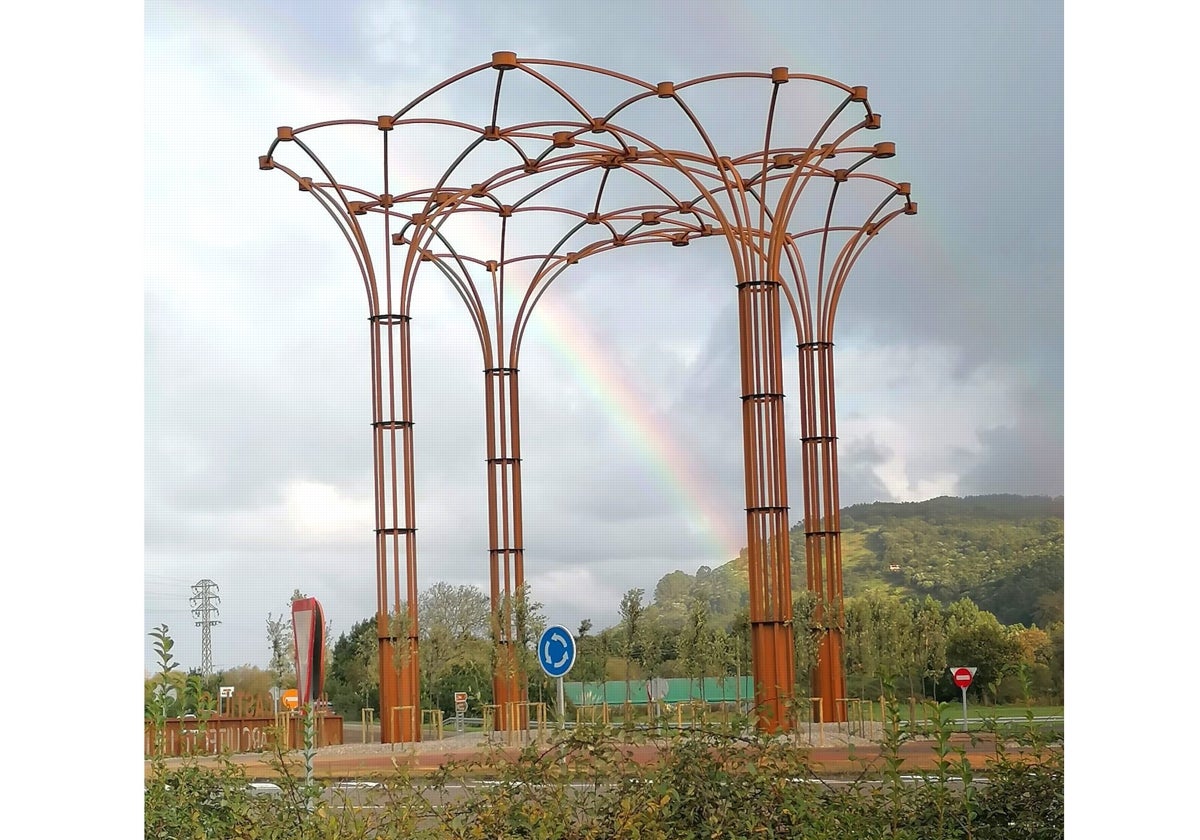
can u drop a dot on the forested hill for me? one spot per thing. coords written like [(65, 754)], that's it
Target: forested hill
[(1003, 552), (948, 509)]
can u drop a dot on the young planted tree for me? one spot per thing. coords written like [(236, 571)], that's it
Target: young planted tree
[(279, 637), (632, 614), (695, 644), (654, 648), (589, 661), (806, 642), (929, 645), (528, 623), (739, 644), (893, 627), (861, 655), (165, 693)]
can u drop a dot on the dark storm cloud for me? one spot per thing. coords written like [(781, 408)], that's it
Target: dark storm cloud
[(1013, 461)]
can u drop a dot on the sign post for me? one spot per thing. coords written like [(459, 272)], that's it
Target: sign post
[(226, 691), (656, 691), (460, 708), (556, 655), (963, 677)]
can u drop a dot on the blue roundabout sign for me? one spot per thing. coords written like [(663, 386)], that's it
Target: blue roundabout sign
[(556, 651)]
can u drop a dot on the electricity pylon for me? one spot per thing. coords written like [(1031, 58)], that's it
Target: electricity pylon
[(204, 602)]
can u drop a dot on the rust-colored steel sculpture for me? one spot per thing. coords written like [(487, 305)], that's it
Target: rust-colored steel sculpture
[(515, 200)]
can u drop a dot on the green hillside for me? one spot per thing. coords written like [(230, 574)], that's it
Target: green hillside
[(1003, 552)]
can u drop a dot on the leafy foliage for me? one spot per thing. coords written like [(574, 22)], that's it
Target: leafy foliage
[(1003, 552), (589, 785), (905, 567)]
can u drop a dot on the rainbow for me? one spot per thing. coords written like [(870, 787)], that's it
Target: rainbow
[(707, 514), (620, 400)]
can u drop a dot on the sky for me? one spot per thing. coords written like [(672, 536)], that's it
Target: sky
[(209, 421), (256, 416)]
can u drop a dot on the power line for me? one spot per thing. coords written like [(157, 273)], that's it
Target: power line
[(204, 602)]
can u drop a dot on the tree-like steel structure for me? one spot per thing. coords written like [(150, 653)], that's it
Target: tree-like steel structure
[(513, 204)]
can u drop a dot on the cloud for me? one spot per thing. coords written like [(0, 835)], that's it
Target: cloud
[(258, 470), (1019, 460)]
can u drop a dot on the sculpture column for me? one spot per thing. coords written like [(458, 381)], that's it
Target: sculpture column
[(766, 502), (395, 530), (506, 551), (822, 526)]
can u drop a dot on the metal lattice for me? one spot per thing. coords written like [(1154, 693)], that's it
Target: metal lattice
[(538, 182)]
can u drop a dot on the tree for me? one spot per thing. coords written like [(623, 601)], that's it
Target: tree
[(632, 612), (805, 639), (589, 661), (245, 679), (976, 638), (655, 647), (929, 644), (695, 644), (672, 591), (163, 689), (453, 629), (861, 655), (893, 626), (461, 611), (528, 623), (739, 637), (279, 636), (353, 681)]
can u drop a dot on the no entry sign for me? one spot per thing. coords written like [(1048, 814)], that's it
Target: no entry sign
[(962, 676)]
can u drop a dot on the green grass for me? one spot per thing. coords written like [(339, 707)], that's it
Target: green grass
[(977, 712)]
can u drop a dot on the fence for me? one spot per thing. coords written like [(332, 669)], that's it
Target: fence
[(535, 713), (215, 735)]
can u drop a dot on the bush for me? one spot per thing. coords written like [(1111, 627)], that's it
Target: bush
[(588, 786)]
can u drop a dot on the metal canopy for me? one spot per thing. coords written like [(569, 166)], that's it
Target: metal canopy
[(503, 205)]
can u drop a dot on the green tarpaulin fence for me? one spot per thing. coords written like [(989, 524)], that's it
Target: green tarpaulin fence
[(680, 690)]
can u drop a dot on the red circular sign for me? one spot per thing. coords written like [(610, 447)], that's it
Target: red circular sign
[(962, 677)]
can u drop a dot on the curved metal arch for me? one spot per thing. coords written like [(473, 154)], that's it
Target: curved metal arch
[(504, 62), (724, 194)]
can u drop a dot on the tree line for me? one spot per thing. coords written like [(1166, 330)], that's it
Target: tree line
[(929, 585), (894, 645)]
